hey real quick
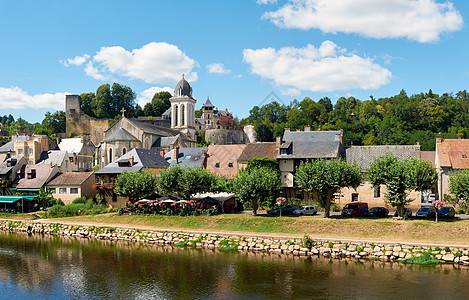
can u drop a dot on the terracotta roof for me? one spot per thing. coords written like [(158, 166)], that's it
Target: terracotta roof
[(43, 174), (72, 178), (223, 159), (261, 150), (453, 153), (428, 156)]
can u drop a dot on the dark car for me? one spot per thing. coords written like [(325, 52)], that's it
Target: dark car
[(426, 212), (355, 209), (380, 212), (407, 212), (286, 210), (446, 212)]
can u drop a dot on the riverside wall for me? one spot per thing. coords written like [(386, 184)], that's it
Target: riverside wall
[(297, 247)]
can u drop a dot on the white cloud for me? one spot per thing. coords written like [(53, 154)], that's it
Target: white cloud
[(161, 63), (266, 1), (148, 94), (238, 76), (419, 20), (217, 68), (76, 61), (16, 98), (290, 92), (324, 69)]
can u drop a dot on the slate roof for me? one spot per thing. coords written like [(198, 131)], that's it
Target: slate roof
[(143, 158), (262, 150), (10, 146), (365, 155), (311, 144), (54, 157), (4, 168), (43, 173), (159, 130), (183, 89), (453, 153), (208, 103), (165, 141), (200, 120), (120, 135), (188, 157), (223, 155), (70, 178)]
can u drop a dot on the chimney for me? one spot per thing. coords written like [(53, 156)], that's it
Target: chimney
[(58, 140), (439, 140), (131, 160), (162, 153), (307, 128), (298, 130), (176, 153), (278, 142), (287, 128), (75, 159), (204, 153)]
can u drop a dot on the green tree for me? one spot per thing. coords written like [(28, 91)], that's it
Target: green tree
[(44, 197), (134, 185), (87, 102), (52, 124), (269, 163), (326, 178), (401, 176), (122, 97), (186, 181), (459, 186), (102, 104), (259, 186)]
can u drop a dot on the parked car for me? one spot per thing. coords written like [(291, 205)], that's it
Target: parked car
[(286, 210), (431, 198), (378, 212), (407, 213), (426, 212), (446, 212), (355, 209), (306, 210)]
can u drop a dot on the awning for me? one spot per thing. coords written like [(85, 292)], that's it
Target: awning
[(27, 190), (9, 199)]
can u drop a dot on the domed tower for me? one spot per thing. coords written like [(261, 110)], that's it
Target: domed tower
[(183, 108)]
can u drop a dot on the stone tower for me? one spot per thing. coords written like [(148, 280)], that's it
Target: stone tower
[(183, 109)]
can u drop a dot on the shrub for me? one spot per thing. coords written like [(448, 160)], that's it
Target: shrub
[(425, 259), (307, 242), (79, 200)]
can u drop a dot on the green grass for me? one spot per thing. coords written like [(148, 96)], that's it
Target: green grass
[(425, 259)]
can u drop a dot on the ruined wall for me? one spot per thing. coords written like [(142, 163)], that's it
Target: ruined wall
[(230, 136)]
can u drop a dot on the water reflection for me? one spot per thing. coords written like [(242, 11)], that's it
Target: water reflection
[(56, 268)]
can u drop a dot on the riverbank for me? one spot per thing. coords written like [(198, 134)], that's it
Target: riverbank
[(305, 246), (453, 233)]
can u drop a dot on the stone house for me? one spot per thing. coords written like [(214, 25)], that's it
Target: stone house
[(451, 155), (260, 150), (296, 147), (363, 156), (223, 159), (80, 152), (69, 186), (187, 157), (31, 178), (28, 146), (135, 160), (9, 171), (58, 158)]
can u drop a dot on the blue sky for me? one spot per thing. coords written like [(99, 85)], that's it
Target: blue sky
[(235, 52)]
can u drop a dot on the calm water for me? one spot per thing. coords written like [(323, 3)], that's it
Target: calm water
[(35, 267)]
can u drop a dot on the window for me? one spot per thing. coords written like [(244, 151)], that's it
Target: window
[(73, 190), (32, 174), (110, 155), (464, 156), (284, 161), (230, 165), (20, 151), (62, 190), (354, 197), (377, 193), (30, 151), (217, 165), (52, 190), (124, 151), (183, 115)]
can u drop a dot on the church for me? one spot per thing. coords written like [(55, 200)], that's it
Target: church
[(127, 134)]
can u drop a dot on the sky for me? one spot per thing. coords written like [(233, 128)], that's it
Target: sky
[(237, 53)]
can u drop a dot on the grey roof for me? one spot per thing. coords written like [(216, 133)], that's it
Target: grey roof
[(365, 155), (165, 141), (183, 89), (200, 120), (158, 130), (52, 157), (4, 168), (208, 103), (10, 146), (143, 158), (120, 135), (311, 144), (187, 157)]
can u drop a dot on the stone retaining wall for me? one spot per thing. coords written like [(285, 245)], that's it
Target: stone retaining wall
[(297, 247)]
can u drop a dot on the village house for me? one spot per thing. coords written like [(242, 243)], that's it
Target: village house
[(80, 152), (28, 146), (58, 158), (31, 178), (8, 173), (260, 150), (187, 157), (135, 160), (296, 147), (69, 186), (363, 156), (222, 160), (451, 155)]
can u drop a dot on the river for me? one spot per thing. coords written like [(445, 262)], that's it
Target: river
[(47, 267)]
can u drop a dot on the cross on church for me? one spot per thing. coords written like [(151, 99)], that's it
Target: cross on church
[(123, 111)]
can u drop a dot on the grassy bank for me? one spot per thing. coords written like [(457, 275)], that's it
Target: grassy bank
[(413, 231)]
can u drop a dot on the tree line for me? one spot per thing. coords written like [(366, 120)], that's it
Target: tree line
[(395, 120)]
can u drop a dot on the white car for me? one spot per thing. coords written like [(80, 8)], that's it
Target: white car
[(431, 198), (306, 210)]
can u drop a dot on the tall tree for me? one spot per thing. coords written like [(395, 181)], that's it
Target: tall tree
[(102, 105), (122, 97), (134, 185), (400, 177), (326, 178)]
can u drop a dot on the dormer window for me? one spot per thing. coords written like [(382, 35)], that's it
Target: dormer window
[(123, 163), (464, 156), (230, 165), (217, 165), (32, 174)]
